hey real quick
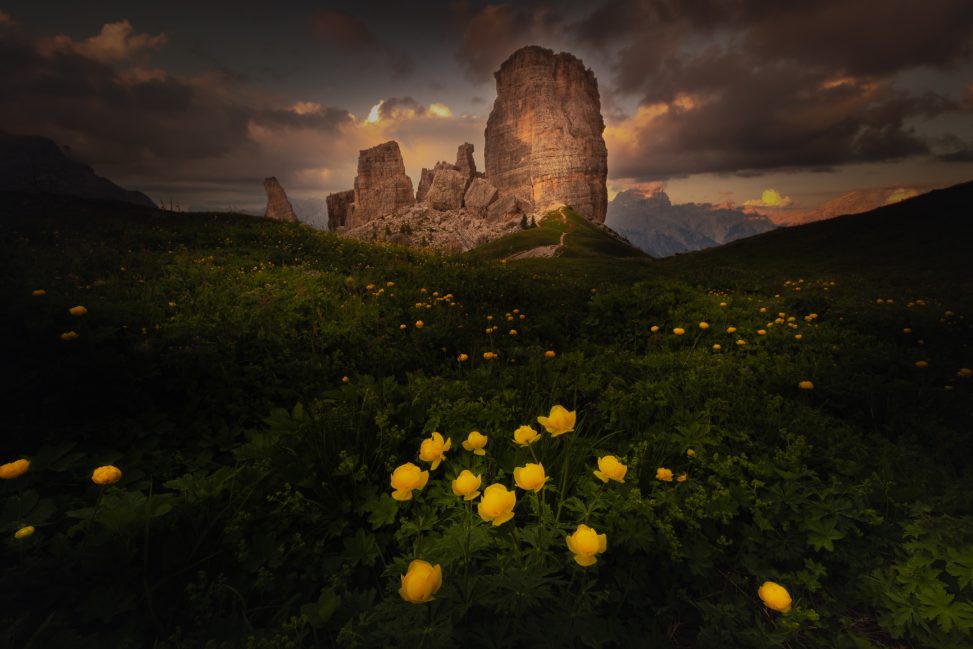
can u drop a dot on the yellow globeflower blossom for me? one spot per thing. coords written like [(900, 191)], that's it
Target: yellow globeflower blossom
[(722, 304), (559, 421), (922, 364), (497, 504), (761, 332), (14, 469), (964, 372), (690, 452), (420, 324), (525, 436), (403, 326), (806, 385), (585, 544), (717, 347), (475, 442), (77, 310), (663, 474), (513, 332), (24, 532), (798, 336), (467, 485), (530, 477), (682, 478), (462, 358), (406, 478), (489, 356), (107, 474), (678, 331), (775, 597), (704, 326), (741, 342), (345, 379), (69, 335), (432, 449), (654, 329), (549, 354), (907, 330), (609, 468), (731, 330), (421, 581), (38, 292)]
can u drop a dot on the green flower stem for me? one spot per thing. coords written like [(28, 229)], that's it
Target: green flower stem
[(564, 479)]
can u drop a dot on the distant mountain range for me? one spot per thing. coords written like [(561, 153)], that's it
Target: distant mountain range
[(35, 164), (655, 225)]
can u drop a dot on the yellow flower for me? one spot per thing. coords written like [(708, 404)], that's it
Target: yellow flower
[(421, 581), (559, 421), (549, 354), (741, 342), (406, 478), (722, 303), (690, 452), (38, 292), (585, 544), (513, 332), (704, 326), (922, 364), (806, 385), (717, 347), (654, 329), (77, 310), (467, 485), (419, 324), (525, 436), (731, 330), (403, 326), (964, 373), (24, 532), (475, 442), (489, 356), (681, 478), (497, 504), (14, 469), (609, 468), (345, 379), (663, 474), (775, 597), (907, 330), (761, 332), (69, 335), (107, 474), (432, 449), (462, 358), (798, 336), (679, 331), (530, 477)]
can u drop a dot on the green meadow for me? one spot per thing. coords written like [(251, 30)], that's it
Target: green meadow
[(257, 384)]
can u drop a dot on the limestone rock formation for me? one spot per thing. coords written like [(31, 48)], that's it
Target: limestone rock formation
[(447, 190), (339, 204), (544, 140), (465, 163), (425, 182), (508, 208), (381, 186), (479, 195), (278, 207)]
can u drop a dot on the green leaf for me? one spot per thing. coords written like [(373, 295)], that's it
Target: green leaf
[(361, 548), (823, 533), (382, 511)]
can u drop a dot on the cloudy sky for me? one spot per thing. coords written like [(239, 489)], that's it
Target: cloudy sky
[(762, 103)]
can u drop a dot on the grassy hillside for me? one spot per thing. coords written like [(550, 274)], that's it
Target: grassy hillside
[(582, 238), (259, 383)]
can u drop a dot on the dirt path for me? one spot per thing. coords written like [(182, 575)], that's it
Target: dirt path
[(544, 251)]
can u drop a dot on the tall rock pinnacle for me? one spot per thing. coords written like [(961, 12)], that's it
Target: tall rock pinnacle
[(278, 207), (544, 139)]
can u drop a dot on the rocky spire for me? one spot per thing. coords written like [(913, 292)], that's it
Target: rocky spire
[(278, 207)]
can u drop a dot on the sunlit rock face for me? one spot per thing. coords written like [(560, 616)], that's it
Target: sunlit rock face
[(278, 207), (381, 186), (544, 141)]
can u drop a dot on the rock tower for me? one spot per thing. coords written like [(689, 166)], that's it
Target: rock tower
[(278, 207)]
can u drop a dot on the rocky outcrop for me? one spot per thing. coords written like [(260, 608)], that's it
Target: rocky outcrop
[(425, 182), (381, 186), (508, 208), (479, 196), (465, 163), (339, 204), (278, 207), (447, 190), (544, 141)]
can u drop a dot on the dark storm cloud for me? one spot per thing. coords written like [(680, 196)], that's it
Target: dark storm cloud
[(493, 32), (343, 31), (763, 85), (399, 107), (137, 116)]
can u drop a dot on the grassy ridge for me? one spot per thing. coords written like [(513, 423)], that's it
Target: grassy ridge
[(258, 382)]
